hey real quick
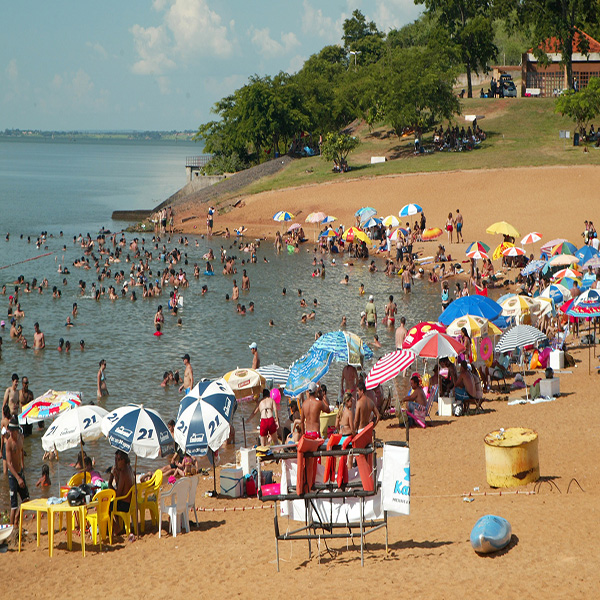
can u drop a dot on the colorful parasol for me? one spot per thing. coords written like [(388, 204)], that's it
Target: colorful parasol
[(564, 248), (417, 332), (500, 249), (315, 217), (283, 215), (531, 238), (49, 405), (513, 251), (391, 220), (353, 233), (410, 209), (431, 234), (388, 367)]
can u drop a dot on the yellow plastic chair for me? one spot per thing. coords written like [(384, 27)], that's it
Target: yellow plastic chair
[(77, 479), (148, 498), (101, 521), (130, 516)]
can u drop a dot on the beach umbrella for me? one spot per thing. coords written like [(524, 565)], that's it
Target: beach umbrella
[(353, 233), (294, 226), (310, 367), (518, 337), (568, 282), (593, 262), (547, 247), (70, 429), (277, 375), (410, 209), (586, 253), (568, 272), (366, 212), (391, 220), (557, 292), (500, 249), (477, 246), (503, 228), (397, 232), (587, 304), (533, 267), (328, 219), (431, 234), (477, 254), (283, 215), (345, 346), (531, 238), (328, 233), (136, 428), (514, 251), (315, 217), (564, 248), (475, 326), (49, 405), (388, 367), (372, 222), (417, 332), (480, 306), (517, 306), (562, 260), (437, 345), (245, 382), (544, 305), (204, 418)]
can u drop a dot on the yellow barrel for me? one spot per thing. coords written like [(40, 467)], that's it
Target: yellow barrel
[(327, 420), (511, 457)]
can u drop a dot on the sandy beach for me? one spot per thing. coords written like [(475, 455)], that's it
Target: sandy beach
[(555, 548)]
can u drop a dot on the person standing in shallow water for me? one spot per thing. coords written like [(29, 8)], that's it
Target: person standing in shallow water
[(102, 390)]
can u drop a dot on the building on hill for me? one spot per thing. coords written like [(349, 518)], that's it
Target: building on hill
[(539, 80)]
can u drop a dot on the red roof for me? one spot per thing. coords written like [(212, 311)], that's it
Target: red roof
[(551, 44)]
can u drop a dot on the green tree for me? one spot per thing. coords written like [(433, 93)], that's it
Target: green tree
[(581, 107), (560, 19), (363, 39), (336, 146), (469, 26)]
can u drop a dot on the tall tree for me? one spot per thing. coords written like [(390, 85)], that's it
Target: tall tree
[(582, 106), (558, 19), (362, 39), (469, 26)]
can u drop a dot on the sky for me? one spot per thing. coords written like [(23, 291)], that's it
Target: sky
[(157, 64)]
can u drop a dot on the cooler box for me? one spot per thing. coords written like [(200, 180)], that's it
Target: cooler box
[(445, 406), (327, 420), (550, 387), (557, 360), (248, 460), (232, 483)]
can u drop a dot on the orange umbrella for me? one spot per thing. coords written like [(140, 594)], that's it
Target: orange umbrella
[(431, 234)]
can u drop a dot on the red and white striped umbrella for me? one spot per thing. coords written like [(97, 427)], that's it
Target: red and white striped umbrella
[(513, 251), (388, 367), (531, 238), (437, 345)]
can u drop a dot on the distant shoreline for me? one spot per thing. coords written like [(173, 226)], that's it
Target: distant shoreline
[(74, 136)]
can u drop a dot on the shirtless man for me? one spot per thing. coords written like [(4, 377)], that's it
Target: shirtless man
[(188, 375), (349, 380), (407, 280), (365, 409), (245, 281), (459, 225), (311, 413), (464, 388), (11, 396), (255, 358), (390, 312), (15, 464), (25, 397), (269, 420), (401, 333), (39, 342)]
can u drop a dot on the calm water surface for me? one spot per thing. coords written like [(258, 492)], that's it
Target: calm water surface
[(74, 188)]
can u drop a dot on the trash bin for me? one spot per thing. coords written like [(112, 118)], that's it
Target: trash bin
[(576, 139)]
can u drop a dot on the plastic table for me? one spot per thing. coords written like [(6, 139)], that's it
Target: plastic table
[(38, 506), (65, 507)]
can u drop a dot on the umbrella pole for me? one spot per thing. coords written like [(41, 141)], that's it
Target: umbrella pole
[(214, 473), (135, 496), (82, 459), (590, 348), (244, 427)]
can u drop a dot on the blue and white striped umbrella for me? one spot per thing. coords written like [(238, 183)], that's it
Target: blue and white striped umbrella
[(283, 215), (372, 222), (345, 347), (140, 429), (410, 209), (310, 367), (366, 212), (328, 219), (278, 375), (558, 293), (204, 417)]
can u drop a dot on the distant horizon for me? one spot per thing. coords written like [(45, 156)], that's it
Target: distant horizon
[(3, 131)]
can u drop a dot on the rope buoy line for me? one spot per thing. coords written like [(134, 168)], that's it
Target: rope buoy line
[(26, 260)]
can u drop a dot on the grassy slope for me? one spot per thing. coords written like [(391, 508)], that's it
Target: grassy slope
[(521, 132)]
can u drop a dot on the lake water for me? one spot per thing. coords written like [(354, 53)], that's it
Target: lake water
[(74, 187)]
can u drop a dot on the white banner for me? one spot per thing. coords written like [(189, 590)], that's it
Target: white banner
[(395, 487)]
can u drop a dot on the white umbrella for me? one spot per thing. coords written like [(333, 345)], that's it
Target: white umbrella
[(519, 336), (81, 424)]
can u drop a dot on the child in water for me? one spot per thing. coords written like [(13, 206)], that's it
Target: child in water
[(44, 480)]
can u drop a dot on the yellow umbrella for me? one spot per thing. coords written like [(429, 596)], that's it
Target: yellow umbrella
[(475, 326), (515, 306), (355, 234), (500, 249), (503, 228)]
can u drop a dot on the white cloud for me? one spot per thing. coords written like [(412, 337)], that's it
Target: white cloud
[(12, 70), (98, 49), (393, 14), (316, 23), (152, 47), (269, 47), (296, 64), (220, 87)]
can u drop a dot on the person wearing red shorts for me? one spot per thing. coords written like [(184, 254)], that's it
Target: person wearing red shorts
[(269, 420)]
